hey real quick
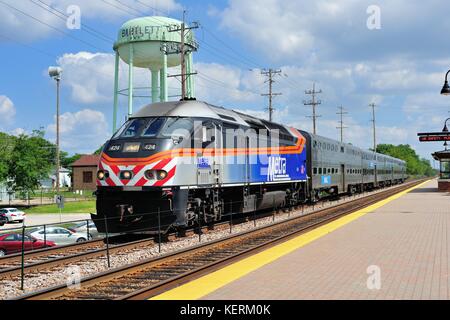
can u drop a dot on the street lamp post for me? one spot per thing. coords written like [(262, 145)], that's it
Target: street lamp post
[(55, 73), (445, 125), (446, 88)]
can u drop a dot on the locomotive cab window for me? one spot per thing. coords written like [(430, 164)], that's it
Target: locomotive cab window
[(133, 128), (153, 127)]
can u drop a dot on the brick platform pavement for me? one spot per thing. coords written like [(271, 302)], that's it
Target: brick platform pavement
[(407, 240)]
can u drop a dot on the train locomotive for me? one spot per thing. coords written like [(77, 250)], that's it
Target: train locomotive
[(177, 164)]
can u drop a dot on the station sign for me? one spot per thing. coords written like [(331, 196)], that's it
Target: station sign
[(434, 136)]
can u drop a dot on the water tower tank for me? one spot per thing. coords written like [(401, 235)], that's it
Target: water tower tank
[(151, 43)]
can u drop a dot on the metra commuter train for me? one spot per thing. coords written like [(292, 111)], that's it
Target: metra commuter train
[(175, 164)]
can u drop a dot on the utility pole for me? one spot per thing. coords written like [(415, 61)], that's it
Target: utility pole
[(58, 80), (182, 50), (341, 122), (313, 102), (270, 73), (372, 105), (55, 73)]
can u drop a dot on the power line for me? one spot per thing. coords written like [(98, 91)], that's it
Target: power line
[(270, 74), (341, 122), (64, 17), (49, 25), (314, 103)]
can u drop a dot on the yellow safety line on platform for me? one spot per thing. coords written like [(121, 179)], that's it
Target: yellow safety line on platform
[(204, 285)]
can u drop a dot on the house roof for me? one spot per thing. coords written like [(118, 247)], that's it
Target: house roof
[(87, 161)]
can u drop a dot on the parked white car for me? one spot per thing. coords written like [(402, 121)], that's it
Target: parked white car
[(13, 214), (58, 235), (82, 228)]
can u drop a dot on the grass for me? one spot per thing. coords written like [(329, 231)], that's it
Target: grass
[(69, 207)]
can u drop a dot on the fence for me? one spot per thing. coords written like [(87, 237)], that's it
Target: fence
[(42, 197)]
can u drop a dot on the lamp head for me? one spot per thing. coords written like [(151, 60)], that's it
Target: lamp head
[(55, 72)]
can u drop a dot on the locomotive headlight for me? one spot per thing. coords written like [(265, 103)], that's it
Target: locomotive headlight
[(102, 175), (126, 175), (149, 174), (161, 174)]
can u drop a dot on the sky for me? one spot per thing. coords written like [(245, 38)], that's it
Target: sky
[(391, 53)]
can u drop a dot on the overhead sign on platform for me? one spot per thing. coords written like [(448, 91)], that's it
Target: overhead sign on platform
[(434, 136)]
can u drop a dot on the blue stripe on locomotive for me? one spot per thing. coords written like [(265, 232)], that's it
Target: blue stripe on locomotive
[(267, 168)]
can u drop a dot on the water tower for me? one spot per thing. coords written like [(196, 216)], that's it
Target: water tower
[(153, 43)]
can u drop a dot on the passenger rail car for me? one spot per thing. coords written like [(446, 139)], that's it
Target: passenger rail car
[(175, 163)]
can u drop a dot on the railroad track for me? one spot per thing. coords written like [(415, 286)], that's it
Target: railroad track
[(152, 276), (9, 262), (48, 258)]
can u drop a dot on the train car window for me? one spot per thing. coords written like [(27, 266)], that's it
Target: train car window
[(328, 146), (153, 127), (314, 170), (133, 128), (315, 144), (329, 170), (229, 135), (320, 170), (342, 149)]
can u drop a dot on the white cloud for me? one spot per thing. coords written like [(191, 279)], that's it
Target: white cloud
[(221, 84), (7, 110), (18, 131), (83, 131), (24, 27), (323, 29), (89, 75)]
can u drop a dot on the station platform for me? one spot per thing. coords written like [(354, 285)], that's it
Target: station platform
[(395, 249)]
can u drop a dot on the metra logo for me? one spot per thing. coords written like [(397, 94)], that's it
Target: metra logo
[(277, 169)]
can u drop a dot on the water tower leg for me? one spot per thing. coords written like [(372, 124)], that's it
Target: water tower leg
[(155, 85), (161, 86), (130, 82), (164, 91), (116, 89)]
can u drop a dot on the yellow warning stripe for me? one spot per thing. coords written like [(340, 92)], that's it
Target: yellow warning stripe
[(204, 285)]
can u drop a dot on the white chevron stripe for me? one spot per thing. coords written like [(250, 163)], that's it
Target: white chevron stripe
[(112, 176)]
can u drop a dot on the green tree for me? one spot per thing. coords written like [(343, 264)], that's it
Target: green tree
[(414, 164), (6, 146), (32, 159), (67, 161)]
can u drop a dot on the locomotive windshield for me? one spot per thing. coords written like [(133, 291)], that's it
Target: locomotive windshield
[(155, 127)]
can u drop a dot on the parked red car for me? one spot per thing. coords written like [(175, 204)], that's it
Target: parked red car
[(12, 242)]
